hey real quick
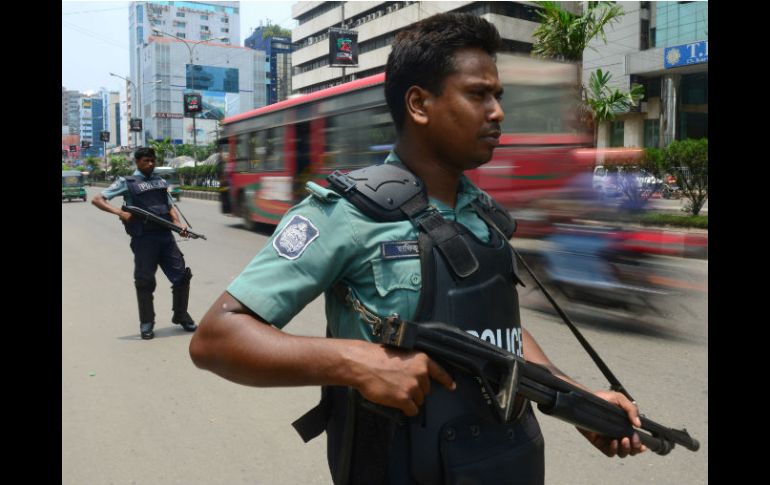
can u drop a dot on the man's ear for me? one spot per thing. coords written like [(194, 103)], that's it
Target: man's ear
[(418, 103)]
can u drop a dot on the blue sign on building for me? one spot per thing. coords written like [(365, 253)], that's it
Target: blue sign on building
[(683, 55)]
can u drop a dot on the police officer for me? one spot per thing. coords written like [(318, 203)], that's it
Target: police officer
[(428, 247), (151, 244)]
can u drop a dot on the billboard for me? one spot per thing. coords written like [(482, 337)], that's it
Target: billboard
[(104, 136), (206, 131), (343, 48), (135, 124), (211, 78)]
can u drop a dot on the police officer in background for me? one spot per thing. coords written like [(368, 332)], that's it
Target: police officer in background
[(434, 256), (151, 244)]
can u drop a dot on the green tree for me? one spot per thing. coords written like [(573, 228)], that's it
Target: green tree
[(563, 35), (687, 160), (162, 149), (119, 166), (271, 30), (605, 102)]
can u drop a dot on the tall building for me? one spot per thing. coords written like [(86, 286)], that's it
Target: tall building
[(171, 55), (664, 47), (91, 124), (111, 102), (70, 103), (278, 51), (377, 24)]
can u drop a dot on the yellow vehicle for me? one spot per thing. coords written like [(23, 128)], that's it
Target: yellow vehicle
[(72, 185)]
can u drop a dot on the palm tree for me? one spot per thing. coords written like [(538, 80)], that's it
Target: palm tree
[(605, 102), (161, 149), (564, 35)]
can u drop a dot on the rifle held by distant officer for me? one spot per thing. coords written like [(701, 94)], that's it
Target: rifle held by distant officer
[(148, 216)]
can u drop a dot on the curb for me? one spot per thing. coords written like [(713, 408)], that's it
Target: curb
[(199, 194)]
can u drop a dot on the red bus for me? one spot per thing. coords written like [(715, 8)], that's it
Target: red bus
[(271, 152)]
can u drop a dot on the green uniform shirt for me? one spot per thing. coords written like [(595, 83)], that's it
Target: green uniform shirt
[(325, 239)]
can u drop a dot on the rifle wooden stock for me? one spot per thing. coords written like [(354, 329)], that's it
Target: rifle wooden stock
[(503, 374), (149, 216)]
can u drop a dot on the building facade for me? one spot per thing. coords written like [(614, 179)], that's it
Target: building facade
[(664, 47), (278, 52), (91, 124), (169, 48), (70, 105), (231, 80), (377, 24)]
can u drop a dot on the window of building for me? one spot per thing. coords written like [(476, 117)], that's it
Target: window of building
[(139, 13), (225, 20), (204, 17), (616, 133), (205, 28), (695, 88), (224, 29), (180, 14), (181, 35), (179, 24), (651, 133)]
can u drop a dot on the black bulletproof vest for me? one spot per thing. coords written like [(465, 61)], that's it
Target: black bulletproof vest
[(456, 437), (152, 196)]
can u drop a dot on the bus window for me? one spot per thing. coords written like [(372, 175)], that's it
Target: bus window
[(535, 109), (359, 138), (242, 154), (274, 146)]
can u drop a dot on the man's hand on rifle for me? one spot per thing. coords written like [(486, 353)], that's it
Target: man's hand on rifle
[(184, 232), (396, 378), (125, 216), (625, 446)]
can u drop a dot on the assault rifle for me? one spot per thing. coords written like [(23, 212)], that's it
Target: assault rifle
[(501, 375), (148, 216)]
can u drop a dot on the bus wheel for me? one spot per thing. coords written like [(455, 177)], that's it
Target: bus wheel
[(246, 215)]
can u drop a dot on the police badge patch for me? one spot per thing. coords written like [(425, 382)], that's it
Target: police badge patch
[(295, 237)]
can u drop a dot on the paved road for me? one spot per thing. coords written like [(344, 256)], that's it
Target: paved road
[(139, 412)]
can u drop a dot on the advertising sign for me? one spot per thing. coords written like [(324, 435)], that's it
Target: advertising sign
[(104, 136), (192, 103), (683, 55), (135, 124), (343, 48)]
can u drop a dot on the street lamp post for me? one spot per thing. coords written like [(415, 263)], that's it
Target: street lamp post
[(138, 98), (192, 79)]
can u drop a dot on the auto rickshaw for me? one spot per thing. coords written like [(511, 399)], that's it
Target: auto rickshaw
[(72, 185)]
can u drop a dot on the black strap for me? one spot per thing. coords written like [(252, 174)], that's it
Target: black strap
[(313, 423), (445, 235), (615, 384)]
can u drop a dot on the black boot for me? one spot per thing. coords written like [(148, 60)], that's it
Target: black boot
[(146, 311), (181, 295)]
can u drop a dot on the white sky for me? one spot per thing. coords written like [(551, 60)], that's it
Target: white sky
[(95, 39)]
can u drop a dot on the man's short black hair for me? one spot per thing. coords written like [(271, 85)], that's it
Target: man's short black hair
[(144, 152), (423, 55)]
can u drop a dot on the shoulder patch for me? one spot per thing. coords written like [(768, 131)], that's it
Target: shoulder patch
[(114, 186), (295, 237)]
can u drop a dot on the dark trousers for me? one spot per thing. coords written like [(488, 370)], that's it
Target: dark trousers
[(155, 248)]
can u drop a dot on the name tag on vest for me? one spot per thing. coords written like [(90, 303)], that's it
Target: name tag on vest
[(399, 249)]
